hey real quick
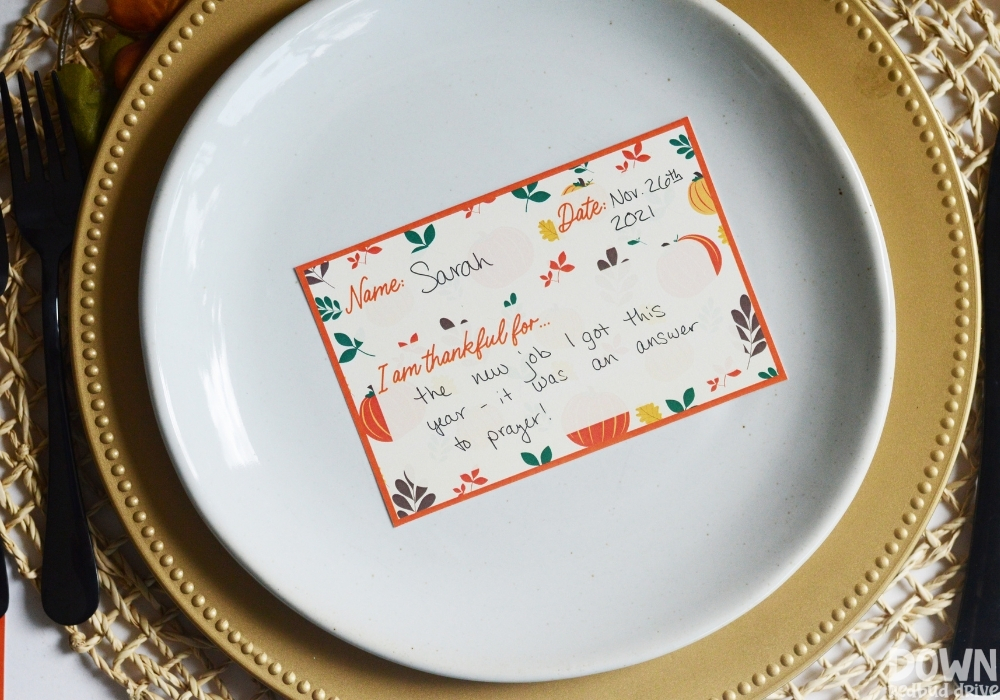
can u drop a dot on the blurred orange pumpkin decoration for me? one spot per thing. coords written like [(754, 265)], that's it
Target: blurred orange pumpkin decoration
[(600, 433), (142, 16), (127, 59), (372, 419)]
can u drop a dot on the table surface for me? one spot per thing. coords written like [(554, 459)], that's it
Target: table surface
[(39, 660)]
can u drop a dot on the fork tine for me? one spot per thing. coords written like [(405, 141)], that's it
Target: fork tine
[(13, 138), (49, 132), (35, 167), (73, 165)]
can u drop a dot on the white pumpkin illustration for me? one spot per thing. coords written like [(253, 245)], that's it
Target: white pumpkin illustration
[(509, 253)]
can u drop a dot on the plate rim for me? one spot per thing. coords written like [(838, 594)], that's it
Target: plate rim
[(739, 674)]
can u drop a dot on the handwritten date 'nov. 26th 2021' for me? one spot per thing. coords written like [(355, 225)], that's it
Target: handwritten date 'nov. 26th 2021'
[(534, 325)]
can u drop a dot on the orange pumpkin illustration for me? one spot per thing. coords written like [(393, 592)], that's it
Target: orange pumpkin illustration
[(372, 419), (699, 195), (684, 269), (714, 254), (600, 433)]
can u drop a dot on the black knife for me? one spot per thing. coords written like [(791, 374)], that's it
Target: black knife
[(978, 627)]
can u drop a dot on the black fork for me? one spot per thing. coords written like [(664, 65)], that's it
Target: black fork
[(46, 203)]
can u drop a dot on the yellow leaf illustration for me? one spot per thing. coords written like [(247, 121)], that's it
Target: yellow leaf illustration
[(649, 413), (722, 236), (548, 230)]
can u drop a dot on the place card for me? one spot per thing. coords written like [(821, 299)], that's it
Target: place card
[(541, 322)]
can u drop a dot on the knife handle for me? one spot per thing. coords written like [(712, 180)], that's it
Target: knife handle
[(978, 626)]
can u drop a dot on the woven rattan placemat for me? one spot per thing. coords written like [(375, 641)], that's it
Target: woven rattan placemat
[(140, 639)]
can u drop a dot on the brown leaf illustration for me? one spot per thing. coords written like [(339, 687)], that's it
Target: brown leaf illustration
[(427, 502), (403, 488), (402, 502)]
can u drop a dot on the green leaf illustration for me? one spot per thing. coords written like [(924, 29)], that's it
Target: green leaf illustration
[(529, 194), (771, 372), (634, 241), (422, 242), (684, 146), (688, 397), (581, 168), (546, 455), (328, 309), (675, 406), (529, 459), (510, 302), (353, 346)]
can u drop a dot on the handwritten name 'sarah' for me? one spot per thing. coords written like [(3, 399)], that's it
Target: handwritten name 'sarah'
[(443, 277), (366, 293)]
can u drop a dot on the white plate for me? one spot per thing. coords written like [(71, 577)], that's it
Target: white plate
[(349, 119)]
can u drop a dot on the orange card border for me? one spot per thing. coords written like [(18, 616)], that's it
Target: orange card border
[(349, 397)]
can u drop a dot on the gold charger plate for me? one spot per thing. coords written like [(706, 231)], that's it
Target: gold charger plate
[(887, 119)]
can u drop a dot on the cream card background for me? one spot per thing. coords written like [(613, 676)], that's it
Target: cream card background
[(541, 322)]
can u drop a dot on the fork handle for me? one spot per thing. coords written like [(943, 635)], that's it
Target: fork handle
[(69, 573)]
